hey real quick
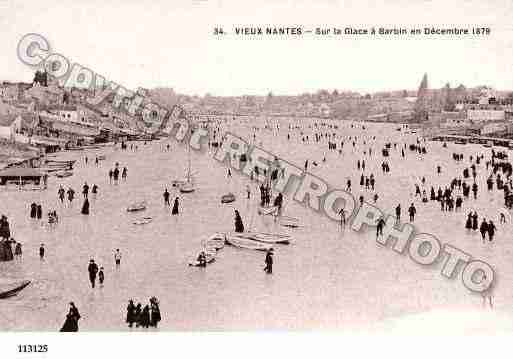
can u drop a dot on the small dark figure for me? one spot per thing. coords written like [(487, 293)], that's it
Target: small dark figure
[(239, 226), (269, 262), (144, 319), (130, 313), (92, 269), (42, 251), (379, 227), (155, 312), (166, 197), (412, 210), (85, 207), (101, 276), (71, 322), (174, 211)]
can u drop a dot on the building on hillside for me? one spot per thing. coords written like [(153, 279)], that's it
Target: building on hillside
[(477, 116)]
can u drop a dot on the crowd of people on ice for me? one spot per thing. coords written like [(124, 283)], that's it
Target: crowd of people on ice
[(144, 317)]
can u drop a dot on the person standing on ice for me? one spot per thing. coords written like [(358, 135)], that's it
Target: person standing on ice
[(483, 228), (379, 227), (269, 262), (239, 226), (412, 210), (174, 211), (491, 230), (117, 258), (398, 212), (85, 189), (474, 221), (71, 195), (92, 269), (166, 197), (342, 213), (61, 194)]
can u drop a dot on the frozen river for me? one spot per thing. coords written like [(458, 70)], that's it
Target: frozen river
[(329, 278)]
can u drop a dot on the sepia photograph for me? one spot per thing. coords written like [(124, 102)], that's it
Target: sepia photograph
[(287, 166)]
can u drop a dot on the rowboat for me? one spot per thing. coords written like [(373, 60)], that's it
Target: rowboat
[(187, 187), (290, 222), (63, 174), (246, 243), (228, 198), (12, 289), (270, 238), (209, 258), (267, 210), (215, 241), (140, 206), (144, 220)]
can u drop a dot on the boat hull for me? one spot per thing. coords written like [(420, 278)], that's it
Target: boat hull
[(245, 243), (6, 293)]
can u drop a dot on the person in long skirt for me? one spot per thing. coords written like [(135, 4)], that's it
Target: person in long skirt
[(130, 313), (71, 322), (144, 320), (155, 312), (33, 210), (174, 211), (468, 223), (85, 207), (239, 226)]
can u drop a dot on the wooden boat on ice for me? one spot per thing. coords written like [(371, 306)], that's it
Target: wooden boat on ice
[(10, 290), (135, 207), (210, 257), (228, 198), (246, 243), (267, 210), (269, 238), (63, 174), (143, 220), (215, 241), (290, 222)]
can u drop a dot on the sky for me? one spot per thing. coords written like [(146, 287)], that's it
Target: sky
[(171, 44)]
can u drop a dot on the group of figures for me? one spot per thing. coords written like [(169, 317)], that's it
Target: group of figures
[(145, 317)]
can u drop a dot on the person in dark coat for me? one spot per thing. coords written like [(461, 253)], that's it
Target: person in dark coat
[(474, 221), (85, 207), (71, 194), (33, 210), (39, 212), (130, 313), (101, 276), (468, 223), (92, 269), (412, 212), (491, 230), (166, 197), (71, 322), (174, 211), (483, 228), (137, 315), (239, 226), (5, 232), (269, 262), (85, 190), (155, 312), (144, 320)]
